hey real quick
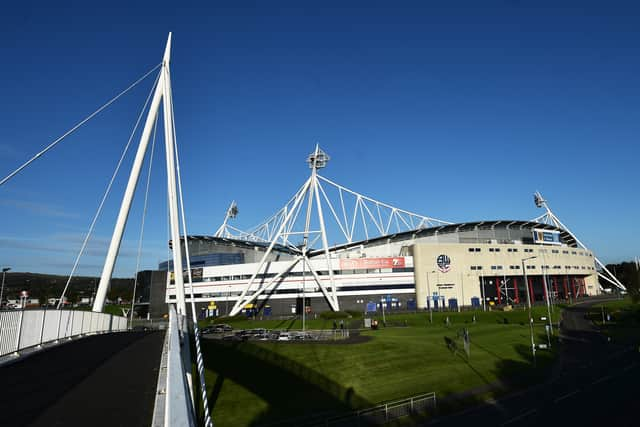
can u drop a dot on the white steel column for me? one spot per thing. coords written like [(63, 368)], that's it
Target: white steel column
[(171, 186), (241, 301), (162, 92), (333, 301), (125, 207)]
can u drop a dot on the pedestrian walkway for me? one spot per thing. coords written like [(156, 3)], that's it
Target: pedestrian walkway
[(102, 380)]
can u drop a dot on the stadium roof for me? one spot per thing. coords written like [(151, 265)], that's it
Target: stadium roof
[(455, 228)]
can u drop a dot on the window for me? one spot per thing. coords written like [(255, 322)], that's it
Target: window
[(477, 249), (565, 252), (555, 251), (496, 267), (512, 250), (472, 250)]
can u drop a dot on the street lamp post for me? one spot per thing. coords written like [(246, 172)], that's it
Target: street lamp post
[(4, 272), (429, 298), (546, 292), (526, 286), (484, 300)]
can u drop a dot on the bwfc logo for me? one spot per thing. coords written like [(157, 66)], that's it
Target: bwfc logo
[(444, 263)]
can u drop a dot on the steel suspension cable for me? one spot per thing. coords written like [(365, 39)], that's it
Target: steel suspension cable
[(144, 215), (199, 360), (106, 194), (77, 126)]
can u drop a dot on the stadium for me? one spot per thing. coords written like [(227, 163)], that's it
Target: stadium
[(389, 259)]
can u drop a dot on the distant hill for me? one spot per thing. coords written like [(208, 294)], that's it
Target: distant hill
[(45, 286)]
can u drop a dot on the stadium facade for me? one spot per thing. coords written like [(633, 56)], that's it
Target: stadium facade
[(468, 264), (389, 258)]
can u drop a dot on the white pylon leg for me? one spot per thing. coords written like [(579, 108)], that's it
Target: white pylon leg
[(311, 191), (173, 194), (242, 300), (125, 207), (333, 300), (550, 216), (162, 92)]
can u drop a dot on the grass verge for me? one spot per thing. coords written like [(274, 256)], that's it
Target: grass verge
[(256, 383)]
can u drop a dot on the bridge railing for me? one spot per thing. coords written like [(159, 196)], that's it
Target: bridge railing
[(22, 329), (174, 405)]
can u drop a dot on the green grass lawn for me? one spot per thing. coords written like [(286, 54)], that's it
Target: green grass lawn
[(253, 383), (624, 323)]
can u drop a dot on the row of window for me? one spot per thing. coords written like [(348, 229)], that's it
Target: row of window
[(298, 291), (300, 274), (531, 267), (530, 250)]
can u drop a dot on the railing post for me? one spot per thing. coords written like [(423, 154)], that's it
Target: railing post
[(412, 405), (44, 317), (73, 317), (19, 331), (59, 320), (386, 412)]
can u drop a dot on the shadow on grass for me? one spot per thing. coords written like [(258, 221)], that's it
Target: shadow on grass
[(511, 375), (290, 389)]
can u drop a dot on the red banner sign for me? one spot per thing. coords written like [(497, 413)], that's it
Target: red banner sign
[(371, 263)]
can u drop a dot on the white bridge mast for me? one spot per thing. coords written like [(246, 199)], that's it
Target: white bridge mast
[(162, 93)]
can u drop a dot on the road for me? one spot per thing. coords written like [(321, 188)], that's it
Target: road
[(101, 380), (595, 382)]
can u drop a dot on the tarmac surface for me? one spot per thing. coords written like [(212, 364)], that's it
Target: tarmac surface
[(595, 383), (101, 380)]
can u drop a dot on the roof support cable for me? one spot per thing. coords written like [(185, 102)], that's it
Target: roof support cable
[(106, 194), (77, 126)]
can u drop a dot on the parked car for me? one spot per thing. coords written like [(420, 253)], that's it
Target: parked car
[(222, 328), (284, 336)]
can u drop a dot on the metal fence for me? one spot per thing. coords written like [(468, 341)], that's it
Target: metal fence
[(416, 406), (21, 329)]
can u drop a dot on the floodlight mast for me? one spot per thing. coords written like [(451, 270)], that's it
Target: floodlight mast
[(550, 217), (232, 212), (310, 192)]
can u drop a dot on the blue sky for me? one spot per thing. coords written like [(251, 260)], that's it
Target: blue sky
[(457, 112)]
